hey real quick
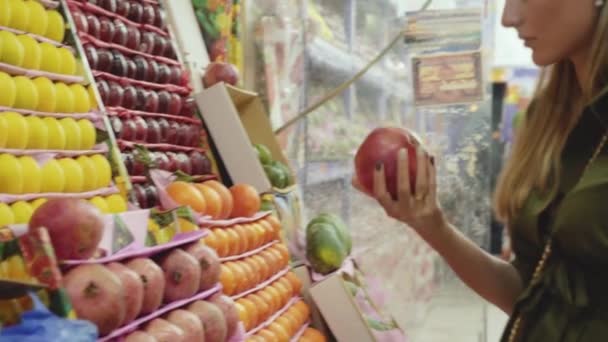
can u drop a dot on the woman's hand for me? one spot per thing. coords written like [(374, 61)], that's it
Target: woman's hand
[(418, 207)]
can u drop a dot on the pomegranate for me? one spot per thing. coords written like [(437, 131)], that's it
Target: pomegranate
[(140, 336), (212, 318), (182, 275), (217, 72), (228, 307), (75, 227), (154, 283), (382, 145), (164, 331), (97, 295), (134, 290), (209, 264), (189, 323)]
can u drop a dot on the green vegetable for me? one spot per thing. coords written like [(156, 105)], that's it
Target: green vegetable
[(277, 177), (285, 170), (324, 248), (339, 225), (263, 154)]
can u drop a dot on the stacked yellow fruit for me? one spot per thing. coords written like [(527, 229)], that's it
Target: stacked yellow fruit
[(30, 16)]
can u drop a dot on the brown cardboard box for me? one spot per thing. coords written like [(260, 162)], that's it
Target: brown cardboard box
[(236, 120)]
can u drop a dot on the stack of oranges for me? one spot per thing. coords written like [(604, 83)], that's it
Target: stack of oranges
[(242, 238), (245, 274), (284, 327), (214, 199)]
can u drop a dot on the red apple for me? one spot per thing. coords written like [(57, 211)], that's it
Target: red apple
[(200, 163), (159, 18), (161, 161), (151, 196), (188, 107), (104, 60), (382, 145), (194, 136), (140, 195), (91, 53), (119, 64), (80, 20), (129, 161), (184, 164), (173, 161), (160, 45), (94, 25), (141, 67), (175, 104), (151, 104), (220, 72), (104, 90), (109, 5), (116, 94), (218, 50), (127, 131), (141, 129), (129, 98), (164, 74), (135, 12), (183, 136), (131, 68), (152, 71), (133, 37), (154, 133), (147, 42), (177, 75), (164, 101), (121, 32), (122, 8), (148, 15), (106, 30), (141, 98), (173, 132), (164, 129)]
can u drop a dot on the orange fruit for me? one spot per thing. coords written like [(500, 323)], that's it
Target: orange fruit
[(275, 223), (225, 194), (304, 310), (279, 331), (275, 295), (291, 318), (243, 238), (281, 262), (268, 336), (314, 335), (211, 240), (271, 261), (223, 242), (263, 308), (240, 276), (269, 234), (285, 295), (212, 199), (282, 248), (228, 280), (246, 200), (263, 267), (286, 324), (254, 339), (250, 235), (297, 315), (259, 233), (255, 271), (234, 242), (252, 312), (285, 282), (251, 275), (272, 303), (243, 315), (296, 283), (186, 194)]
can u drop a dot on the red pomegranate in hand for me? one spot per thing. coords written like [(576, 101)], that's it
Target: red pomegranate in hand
[(217, 72), (382, 145), (74, 225)]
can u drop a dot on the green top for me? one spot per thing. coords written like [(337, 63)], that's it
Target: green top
[(570, 301)]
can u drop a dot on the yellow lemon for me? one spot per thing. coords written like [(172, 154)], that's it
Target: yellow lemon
[(53, 177), (5, 14), (68, 61), (65, 98), (32, 55), (39, 20), (8, 89), (90, 173), (35, 204), (82, 104), (56, 27), (88, 134), (27, 94), (32, 175), (3, 131), (11, 175), (38, 135), (104, 171), (92, 98), (116, 204), (74, 175), (56, 134), (23, 211), (51, 60), (6, 214), (101, 204), (47, 94), (72, 133), (20, 16), (18, 131), (12, 49)]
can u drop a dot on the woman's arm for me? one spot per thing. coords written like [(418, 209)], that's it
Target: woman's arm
[(492, 278)]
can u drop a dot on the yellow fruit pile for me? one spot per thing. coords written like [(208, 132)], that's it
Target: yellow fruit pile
[(30, 16), (25, 175), (19, 131), (41, 94), (26, 52)]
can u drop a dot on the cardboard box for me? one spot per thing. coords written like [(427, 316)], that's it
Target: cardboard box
[(237, 120), (317, 321)]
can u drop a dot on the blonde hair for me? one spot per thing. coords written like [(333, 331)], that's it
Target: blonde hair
[(535, 159)]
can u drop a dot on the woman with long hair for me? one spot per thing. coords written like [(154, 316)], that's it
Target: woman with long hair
[(552, 193)]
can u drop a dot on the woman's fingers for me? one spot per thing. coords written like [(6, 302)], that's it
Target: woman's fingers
[(422, 186), (432, 179), (404, 191), (380, 192)]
